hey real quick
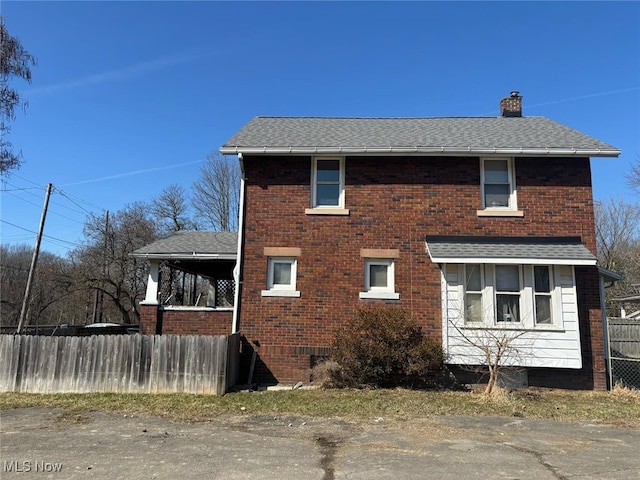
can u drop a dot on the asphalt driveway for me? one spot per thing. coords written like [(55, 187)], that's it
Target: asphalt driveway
[(46, 443)]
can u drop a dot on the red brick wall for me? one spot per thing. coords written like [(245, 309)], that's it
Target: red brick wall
[(148, 318), (196, 322), (184, 321), (394, 203)]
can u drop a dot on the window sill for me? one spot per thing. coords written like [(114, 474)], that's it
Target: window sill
[(517, 327), (380, 295), (326, 211), (500, 213), (280, 293), (547, 328)]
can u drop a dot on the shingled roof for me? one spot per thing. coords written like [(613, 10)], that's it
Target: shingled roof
[(537, 136), (190, 244), (538, 250)]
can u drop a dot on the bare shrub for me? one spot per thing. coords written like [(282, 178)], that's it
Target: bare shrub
[(323, 374), (385, 347)]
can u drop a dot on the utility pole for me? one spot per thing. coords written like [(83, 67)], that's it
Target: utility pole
[(34, 260), (99, 298)]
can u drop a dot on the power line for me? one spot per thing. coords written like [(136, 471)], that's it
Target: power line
[(35, 233), (10, 192), (19, 189), (13, 174), (75, 201), (73, 204)]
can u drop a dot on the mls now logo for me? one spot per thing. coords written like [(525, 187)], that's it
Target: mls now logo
[(16, 466)]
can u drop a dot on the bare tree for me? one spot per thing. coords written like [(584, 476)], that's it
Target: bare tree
[(617, 224), (216, 193), (15, 61), (495, 348), (50, 293), (618, 243), (104, 263), (171, 209), (633, 176)]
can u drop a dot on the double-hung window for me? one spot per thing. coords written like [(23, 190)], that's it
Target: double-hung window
[(507, 293), (473, 293), (328, 183), (542, 291), (498, 184)]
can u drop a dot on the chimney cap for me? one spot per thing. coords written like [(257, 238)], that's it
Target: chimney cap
[(515, 93)]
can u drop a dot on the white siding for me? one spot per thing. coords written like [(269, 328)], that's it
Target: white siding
[(555, 345)]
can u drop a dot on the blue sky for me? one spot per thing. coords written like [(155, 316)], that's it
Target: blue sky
[(129, 97)]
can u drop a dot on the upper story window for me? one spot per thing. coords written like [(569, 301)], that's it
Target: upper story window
[(328, 183), (498, 184)]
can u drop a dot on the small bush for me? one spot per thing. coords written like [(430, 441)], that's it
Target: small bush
[(384, 347), (324, 374)]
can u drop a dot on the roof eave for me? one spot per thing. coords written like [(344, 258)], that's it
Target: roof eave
[(185, 256), (516, 260), (422, 150)]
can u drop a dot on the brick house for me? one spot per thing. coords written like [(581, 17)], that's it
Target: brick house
[(477, 226), (471, 224)]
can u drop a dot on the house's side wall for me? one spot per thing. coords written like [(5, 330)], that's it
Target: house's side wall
[(393, 204)]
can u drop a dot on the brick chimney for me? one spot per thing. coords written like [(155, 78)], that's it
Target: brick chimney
[(511, 106)]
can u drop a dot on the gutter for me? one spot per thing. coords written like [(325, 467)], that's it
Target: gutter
[(423, 150), (237, 269), (184, 256)]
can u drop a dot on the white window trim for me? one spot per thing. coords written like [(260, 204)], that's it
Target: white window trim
[(513, 199), (384, 293), (279, 290), (527, 300), (519, 292), (336, 209)]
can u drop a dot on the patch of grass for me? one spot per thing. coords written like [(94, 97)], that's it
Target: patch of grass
[(604, 407)]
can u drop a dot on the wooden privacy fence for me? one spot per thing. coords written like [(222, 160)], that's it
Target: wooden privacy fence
[(119, 363)]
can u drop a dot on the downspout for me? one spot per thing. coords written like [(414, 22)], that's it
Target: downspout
[(238, 268)]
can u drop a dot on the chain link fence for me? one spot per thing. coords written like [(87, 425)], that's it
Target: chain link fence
[(624, 352)]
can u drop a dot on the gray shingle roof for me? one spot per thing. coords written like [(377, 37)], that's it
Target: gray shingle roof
[(189, 244), (452, 135), (526, 250)]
